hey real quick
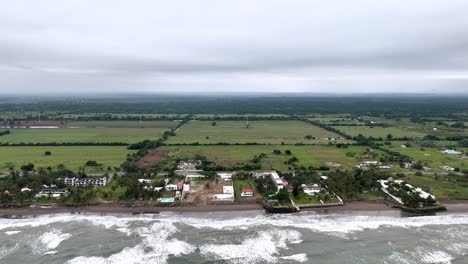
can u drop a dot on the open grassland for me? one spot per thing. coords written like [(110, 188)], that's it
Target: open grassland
[(441, 188), (261, 132), (432, 157), (315, 156), (81, 135), (377, 131), (124, 124), (73, 157)]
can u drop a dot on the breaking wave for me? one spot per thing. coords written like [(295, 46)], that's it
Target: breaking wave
[(155, 248), (49, 240), (260, 248)]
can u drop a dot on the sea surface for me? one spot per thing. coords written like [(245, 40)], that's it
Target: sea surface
[(236, 237)]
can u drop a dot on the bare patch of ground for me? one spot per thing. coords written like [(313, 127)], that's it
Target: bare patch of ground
[(332, 164), (152, 158)]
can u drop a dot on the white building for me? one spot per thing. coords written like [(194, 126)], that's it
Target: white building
[(225, 176), (246, 192), (228, 190), (311, 189), (83, 182), (53, 193), (447, 168), (227, 195), (174, 187), (451, 152)]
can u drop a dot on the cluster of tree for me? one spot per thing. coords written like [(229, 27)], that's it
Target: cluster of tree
[(265, 185), (6, 132), (10, 187), (350, 184)]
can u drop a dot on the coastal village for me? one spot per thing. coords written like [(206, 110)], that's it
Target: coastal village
[(189, 186)]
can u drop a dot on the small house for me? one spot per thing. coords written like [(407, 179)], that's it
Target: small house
[(311, 189), (247, 192)]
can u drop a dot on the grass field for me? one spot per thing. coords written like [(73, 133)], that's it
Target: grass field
[(305, 199), (73, 157), (262, 132), (75, 135), (316, 156), (239, 185), (376, 131), (433, 157)]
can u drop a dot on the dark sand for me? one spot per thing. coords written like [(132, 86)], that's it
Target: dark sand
[(455, 206)]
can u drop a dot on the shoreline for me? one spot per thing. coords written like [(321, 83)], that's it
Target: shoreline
[(453, 206)]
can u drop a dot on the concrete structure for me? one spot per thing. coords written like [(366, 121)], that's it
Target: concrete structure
[(53, 193), (225, 176)]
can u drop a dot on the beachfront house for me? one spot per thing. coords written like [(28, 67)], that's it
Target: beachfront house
[(226, 196), (277, 180), (84, 182), (247, 192), (174, 187), (311, 189)]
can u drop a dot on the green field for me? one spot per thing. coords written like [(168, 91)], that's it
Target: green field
[(239, 185), (316, 155), (73, 157), (432, 157), (124, 124), (378, 131), (77, 135), (262, 132)]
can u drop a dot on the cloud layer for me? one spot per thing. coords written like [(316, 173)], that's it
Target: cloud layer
[(234, 46)]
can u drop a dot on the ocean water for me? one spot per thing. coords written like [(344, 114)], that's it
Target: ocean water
[(236, 237)]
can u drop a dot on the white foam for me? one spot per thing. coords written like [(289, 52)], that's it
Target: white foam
[(326, 223), (297, 257), (50, 253), (4, 251), (9, 233), (49, 240), (262, 248), (435, 257), (155, 248)]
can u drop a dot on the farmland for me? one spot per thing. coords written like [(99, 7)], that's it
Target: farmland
[(314, 156), (81, 135), (277, 136), (432, 157), (261, 132), (73, 157), (377, 131), (123, 124)]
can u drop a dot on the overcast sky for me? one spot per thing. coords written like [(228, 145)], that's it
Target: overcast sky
[(234, 46)]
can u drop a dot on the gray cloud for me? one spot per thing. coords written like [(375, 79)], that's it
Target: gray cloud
[(244, 46)]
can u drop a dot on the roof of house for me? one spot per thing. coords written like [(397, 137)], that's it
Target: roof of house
[(246, 190)]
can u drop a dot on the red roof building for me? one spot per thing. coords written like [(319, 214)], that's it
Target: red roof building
[(247, 192)]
